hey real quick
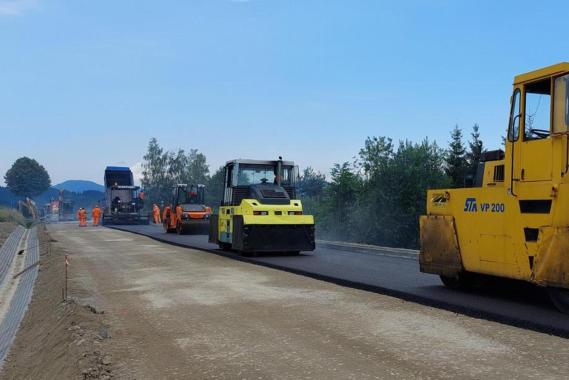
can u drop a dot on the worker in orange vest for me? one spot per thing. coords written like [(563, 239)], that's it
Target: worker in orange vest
[(96, 213), (82, 216), (156, 214)]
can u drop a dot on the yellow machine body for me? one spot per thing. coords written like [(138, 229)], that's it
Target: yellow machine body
[(271, 221), (515, 224)]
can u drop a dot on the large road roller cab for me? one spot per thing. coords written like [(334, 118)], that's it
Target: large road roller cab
[(187, 213), (259, 211), (515, 224)]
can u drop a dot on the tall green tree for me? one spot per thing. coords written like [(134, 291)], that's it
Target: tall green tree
[(455, 160), (394, 192), (164, 169), (374, 202), (197, 169), (340, 202), (475, 149), (27, 178), (311, 183), (374, 157), (177, 165), (155, 176), (415, 169), (214, 188), (343, 188)]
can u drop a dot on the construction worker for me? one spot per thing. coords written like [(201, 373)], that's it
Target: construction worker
[(82, 216), (96, 213), (156, 214)]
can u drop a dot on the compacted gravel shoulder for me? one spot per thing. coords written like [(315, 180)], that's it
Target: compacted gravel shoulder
[(178, 313), (57, 339)]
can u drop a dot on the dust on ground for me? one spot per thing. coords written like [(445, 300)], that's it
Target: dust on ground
[(58, 340)]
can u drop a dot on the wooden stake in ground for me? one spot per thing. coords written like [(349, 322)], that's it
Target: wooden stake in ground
[(66, 265)]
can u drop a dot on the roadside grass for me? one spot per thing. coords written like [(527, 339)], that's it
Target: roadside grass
[(11, 215)]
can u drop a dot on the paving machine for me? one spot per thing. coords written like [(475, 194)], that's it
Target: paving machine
[(66, 208), (515, 222), (187, 213), (259, 211), (124, 203)]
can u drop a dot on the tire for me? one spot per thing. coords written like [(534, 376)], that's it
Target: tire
[(460, 281), (180, 229), (224, 246), (560, 298)]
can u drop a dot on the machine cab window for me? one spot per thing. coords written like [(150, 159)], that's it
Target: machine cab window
[(191, 198), (514, 127), (256, 174), (229, 176), (537, 110), (561, 104)]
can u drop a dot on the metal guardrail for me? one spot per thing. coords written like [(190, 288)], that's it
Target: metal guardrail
[(22, 296), (8, 252)]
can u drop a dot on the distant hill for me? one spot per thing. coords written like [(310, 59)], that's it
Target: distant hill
[(7, 198), (81, 198), (79, 186)]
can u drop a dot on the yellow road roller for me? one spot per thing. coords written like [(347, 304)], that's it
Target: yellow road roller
[(259, 211), (515, 222)]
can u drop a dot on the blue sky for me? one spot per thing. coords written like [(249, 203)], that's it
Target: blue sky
[(88, 83)]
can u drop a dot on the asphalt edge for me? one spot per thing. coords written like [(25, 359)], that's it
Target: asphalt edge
[(493, 317), (368, 248)]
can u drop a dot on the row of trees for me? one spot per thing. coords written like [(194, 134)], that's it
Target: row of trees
[(162, 169), (378, 198)]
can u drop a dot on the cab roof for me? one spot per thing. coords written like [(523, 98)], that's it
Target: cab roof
[(258, 162), (548, 71)]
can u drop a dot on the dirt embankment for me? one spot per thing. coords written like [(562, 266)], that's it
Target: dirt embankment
[(58, 340)]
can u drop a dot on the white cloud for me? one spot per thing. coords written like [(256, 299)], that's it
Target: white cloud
[(16, 7)]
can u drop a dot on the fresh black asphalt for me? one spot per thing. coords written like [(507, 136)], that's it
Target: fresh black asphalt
[(510, 302)]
